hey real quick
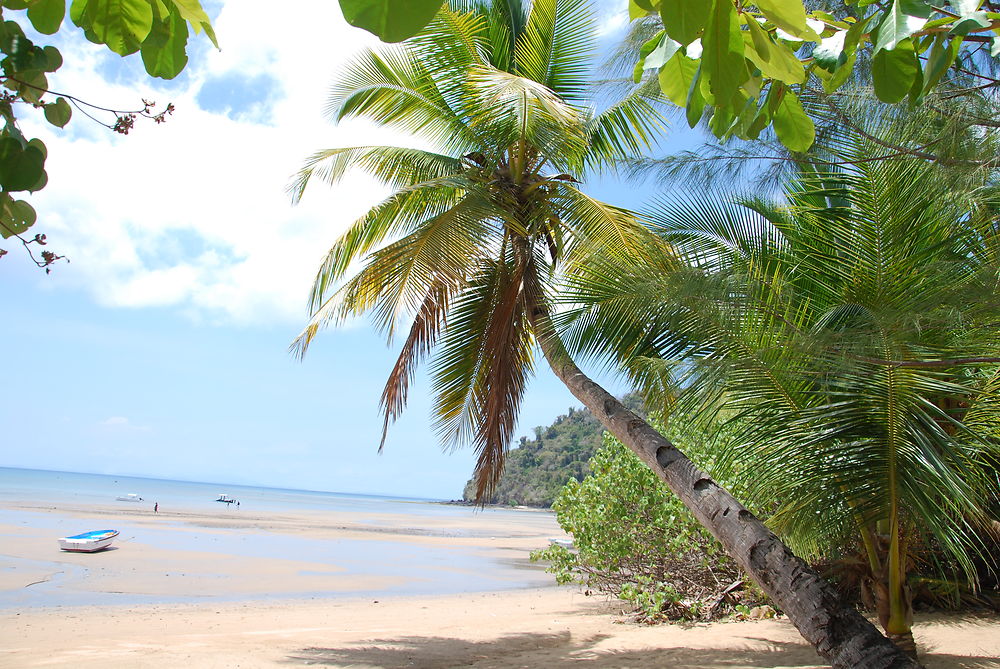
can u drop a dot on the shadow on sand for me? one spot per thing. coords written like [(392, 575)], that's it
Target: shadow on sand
[(561, 651)]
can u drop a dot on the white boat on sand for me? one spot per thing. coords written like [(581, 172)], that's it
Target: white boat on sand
[(131, 497), (88, 542)]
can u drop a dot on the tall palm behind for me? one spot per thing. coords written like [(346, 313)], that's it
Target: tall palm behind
[(467, 253), (850, 328)]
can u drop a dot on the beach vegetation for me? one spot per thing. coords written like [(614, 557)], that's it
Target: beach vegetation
[(848, 326), (633, 539), (486, 220)]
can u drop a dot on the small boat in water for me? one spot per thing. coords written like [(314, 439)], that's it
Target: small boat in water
[(225, 499), (88, 542), (131, 497)]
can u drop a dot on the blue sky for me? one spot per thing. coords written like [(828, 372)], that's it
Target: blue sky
[(161, 349)]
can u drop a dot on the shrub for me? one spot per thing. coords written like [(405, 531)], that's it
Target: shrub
[(635, 540)]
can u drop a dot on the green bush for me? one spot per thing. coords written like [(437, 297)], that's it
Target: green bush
[(635, 540)]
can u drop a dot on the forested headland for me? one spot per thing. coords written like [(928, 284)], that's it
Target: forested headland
[(537, 468)]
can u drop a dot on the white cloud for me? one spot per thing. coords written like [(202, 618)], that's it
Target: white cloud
[(121, 425), (193, 214), (611, 17)]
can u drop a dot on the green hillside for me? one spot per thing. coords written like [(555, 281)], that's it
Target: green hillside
[(537, 468)]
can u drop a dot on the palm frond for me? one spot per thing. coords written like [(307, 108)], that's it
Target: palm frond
[(424, 332), (481, 371), (625, 130), (396, 167), (556, 45), (394, 89), (512, 109)]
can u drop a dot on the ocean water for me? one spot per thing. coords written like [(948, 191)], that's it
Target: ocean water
[(417, 568), (67, 487)]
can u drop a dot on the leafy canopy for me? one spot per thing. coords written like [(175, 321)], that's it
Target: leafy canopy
[(157, 29), (849, 326), (743, 64)]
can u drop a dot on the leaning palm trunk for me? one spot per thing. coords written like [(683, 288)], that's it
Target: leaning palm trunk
[(838, 632)]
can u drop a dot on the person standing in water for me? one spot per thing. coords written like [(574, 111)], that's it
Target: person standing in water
[(156, 507)]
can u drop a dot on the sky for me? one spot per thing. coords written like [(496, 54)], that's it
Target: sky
[(160, 349)]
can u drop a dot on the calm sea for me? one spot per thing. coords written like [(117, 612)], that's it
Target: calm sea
[(426, 568), (67, 487)]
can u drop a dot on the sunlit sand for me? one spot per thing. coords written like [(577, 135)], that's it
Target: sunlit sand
[(204, 603)]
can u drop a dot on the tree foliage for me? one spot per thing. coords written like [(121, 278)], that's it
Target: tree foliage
[(536, 469), (157, 29), (635, 540), (745, 65), (850, 327)]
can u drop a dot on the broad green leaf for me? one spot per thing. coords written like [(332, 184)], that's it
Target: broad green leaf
[(722, 120), (192, 12), (635, 11), (841, 75), (893, 72), (59, 112), (777, 61), (942, 55), (902, 19), (39, 146), (695, 104), (745, 118), (761, 40), (684, 20), (31, 85), (20, 167), (53, 59), (792, 125), (916, 92), (391, 20), (789, 15), (644, 52), (965, 7), (23, 214), (47, 15), (830, 53), (676, 78), (967, 24), (761, 121), (120, 24), (164, 50), (722, 56), (662, 53), (17, 216)]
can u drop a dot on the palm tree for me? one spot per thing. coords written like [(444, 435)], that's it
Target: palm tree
[(850, 328), (472, 245)]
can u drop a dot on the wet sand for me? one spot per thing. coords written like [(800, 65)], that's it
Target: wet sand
[(302, 608)]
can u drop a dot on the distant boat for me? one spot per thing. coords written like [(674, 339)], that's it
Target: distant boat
[(225, 499), (565, 543), (88, 542), (131, 497)]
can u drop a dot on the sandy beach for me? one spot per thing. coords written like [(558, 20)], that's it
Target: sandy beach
[(204, 604)]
